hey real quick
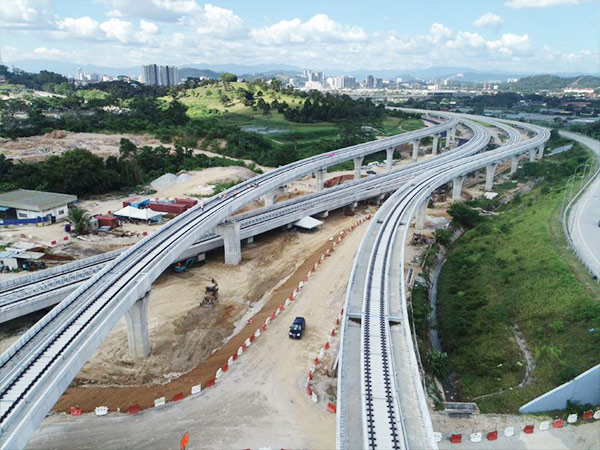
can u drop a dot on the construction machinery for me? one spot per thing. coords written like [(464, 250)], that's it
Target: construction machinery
[(211, 294)]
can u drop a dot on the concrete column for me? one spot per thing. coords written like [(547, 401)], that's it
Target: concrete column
[(415, 150), (532, 155), (270, 198), (489, 176), (540, 152), (357, 167), (421, 213), (137, 328), (389, 159), (230, 232), (452, 136), (457, 184), (514, 163), (377, 200), (320, 174), (250, 240), (435, 144), (322, 215)]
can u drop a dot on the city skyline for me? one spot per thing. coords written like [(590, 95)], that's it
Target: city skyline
[(508, 35)]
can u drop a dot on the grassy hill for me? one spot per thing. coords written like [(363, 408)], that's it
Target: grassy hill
[(551, 82)]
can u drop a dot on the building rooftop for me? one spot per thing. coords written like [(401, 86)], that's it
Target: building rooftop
[(34, 200)]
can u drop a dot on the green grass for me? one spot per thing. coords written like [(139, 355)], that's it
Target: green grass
[(515, 268)]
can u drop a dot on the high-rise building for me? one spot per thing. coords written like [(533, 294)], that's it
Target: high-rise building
[(168, 76), (79, 74), (369, 82), (150, 74), (378, 83), (154, 75)]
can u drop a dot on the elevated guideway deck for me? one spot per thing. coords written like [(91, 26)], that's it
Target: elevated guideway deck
[(392, 411), (40, 290), (39, 366)]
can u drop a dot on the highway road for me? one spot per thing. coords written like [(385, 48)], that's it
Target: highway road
[(584, 216)]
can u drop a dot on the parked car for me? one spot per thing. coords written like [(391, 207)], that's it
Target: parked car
[(371, 172), (297, 328)]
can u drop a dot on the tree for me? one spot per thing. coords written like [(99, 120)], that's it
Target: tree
[(228, 77), (443, 236), (465, 215), (79, 219)]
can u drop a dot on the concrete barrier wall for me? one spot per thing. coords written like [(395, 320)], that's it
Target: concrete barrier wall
[(583, 389)]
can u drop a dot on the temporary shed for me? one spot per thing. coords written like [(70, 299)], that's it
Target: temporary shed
[(139, 214), (308, 223)]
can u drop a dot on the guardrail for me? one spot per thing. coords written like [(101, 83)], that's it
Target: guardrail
[(565, 215)]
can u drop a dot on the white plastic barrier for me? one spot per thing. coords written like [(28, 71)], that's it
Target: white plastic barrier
[(509, 431), (101, 410), (597, 415), (475, 437), (247, 342), (268, 320), (240, 351), (545, 425), (230, 361), (287, 302), (277, 311), (196, 389), (159, 402), (321, 353), (301, 284), (572, 418), (257, 333), (314, 397), (437, 436), (219, 373)]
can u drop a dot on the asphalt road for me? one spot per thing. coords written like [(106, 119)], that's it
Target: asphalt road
[(585, 216)]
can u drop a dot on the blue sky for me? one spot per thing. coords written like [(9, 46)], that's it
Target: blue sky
[(511, 35)]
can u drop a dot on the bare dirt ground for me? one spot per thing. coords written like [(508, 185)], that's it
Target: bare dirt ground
[(260, 402), (183, 335), (37, 148)]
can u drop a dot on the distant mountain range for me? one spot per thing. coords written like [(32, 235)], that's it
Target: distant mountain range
[(465, 74)]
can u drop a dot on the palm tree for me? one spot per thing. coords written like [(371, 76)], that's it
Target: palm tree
[(79, 219)]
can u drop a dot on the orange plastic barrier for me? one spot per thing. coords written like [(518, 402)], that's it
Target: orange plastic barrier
[(528, 429), (492, 436), (588, 414), (66, 238), (210, 382), (251, 338), (326, 346), (331, 407), (225, 368), (456, 438), (177, 397), (235, 356), (308, 390), (333, 332), (263, 328), (184, 440), (133, 409), (558, 423), (75, 411), (273, 316)]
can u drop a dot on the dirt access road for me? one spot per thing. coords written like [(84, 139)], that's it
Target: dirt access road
[(261, 401)]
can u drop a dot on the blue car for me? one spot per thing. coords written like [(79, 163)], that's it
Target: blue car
[(297, 328)]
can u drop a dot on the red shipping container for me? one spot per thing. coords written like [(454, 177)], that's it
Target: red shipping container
[(108, 221), (169, 208), (189, 202)]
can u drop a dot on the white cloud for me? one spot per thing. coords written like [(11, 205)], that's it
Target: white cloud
[(540, 3), (147, 31), (439, 32), (50, 53), (318, 29), (216, 21), (24, 13), (117, 29), (84, 27), (490, 20), (511, 44)]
